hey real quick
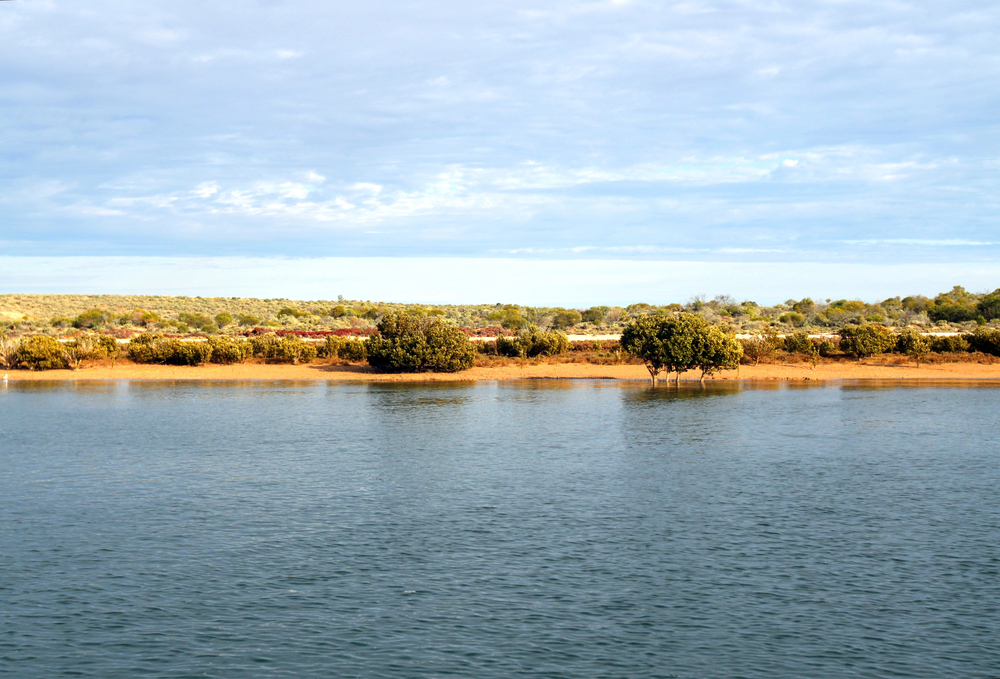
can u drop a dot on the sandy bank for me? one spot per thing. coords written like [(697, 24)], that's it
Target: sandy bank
[(245, 371)]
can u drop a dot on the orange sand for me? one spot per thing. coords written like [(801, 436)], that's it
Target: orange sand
[(848, 370)]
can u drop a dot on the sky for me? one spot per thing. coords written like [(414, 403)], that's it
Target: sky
[(808, 143)]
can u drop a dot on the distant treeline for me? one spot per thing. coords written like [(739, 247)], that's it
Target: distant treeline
[(123, 315)]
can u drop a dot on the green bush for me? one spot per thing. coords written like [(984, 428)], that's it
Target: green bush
[(266, 346), (223, 319), (247, 319), (531, 343), (866, 340), (347, 349), (986, 341), (187, 353), (565, 318), (913, 344), (41, 353), (149, 347), (152, 347), (406, 343), (827, 347), (793, 318), (227, 351), (295, 349), (91, 319), (760, 346), (950, 344), (194, 320), (798, 343)]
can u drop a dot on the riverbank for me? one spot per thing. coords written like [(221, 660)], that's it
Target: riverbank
[(840, 370)]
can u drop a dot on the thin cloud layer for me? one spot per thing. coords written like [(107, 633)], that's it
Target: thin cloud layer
[(839, 131)]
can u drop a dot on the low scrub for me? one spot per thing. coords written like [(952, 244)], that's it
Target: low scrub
[(155, 348), (950, 344), (867, 340), (407, 343), (41, 353), (228, 351), (760, 346), (348, 349), (531, 343), (986, 340), (799, 343)]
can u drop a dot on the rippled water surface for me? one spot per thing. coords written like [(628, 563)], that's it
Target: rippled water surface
[(554, 529)]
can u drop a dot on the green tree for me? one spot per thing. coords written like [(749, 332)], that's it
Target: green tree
[(595, 314), (665, 343), (223, 319), (715, 350), (761, 345), (407, 343), (989, 306), (565, 318), (510, 318), (798, 343), (91, 319)]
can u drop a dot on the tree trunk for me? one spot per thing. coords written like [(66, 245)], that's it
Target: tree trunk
[(652, 374)]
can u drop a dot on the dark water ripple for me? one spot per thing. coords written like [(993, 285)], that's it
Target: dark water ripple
[(561, 529)]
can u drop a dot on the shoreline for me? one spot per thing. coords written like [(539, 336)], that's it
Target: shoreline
[(784, 372)]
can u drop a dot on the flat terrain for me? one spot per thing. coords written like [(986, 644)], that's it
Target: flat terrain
[(849, 370)]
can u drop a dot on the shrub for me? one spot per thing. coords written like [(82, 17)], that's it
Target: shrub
[(950, 344), (989, 306), (986, 341), (565, 318), (866, 340), (41, 353), (594, 314), (187, 353), (406, 343), (717, 349), (223, 319), (195, 320), (531, 343), (228, 351), (265, 346), (147, 348), (91, 319), (347, 349), (799, 343), (8, 351), (107, 347), (913, 344), (760, 346), (295, 349), (793, 318), (827, 347)]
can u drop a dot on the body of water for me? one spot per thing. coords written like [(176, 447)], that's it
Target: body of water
[(543, 529)]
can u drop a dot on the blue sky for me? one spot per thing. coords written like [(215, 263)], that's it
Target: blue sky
[(840, 133)]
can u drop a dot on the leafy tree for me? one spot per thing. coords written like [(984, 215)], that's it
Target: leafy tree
[(803, 306), (565, 318), (41, 353), (715, 350), (595, 314), (91, 319), (510, 318), (407, 343), (956, 306), (989, 306), (866, 340), (247, 319), (665, 343), (223, 319), (913, 344), (761, 345), (798, 343), (793, 318)]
